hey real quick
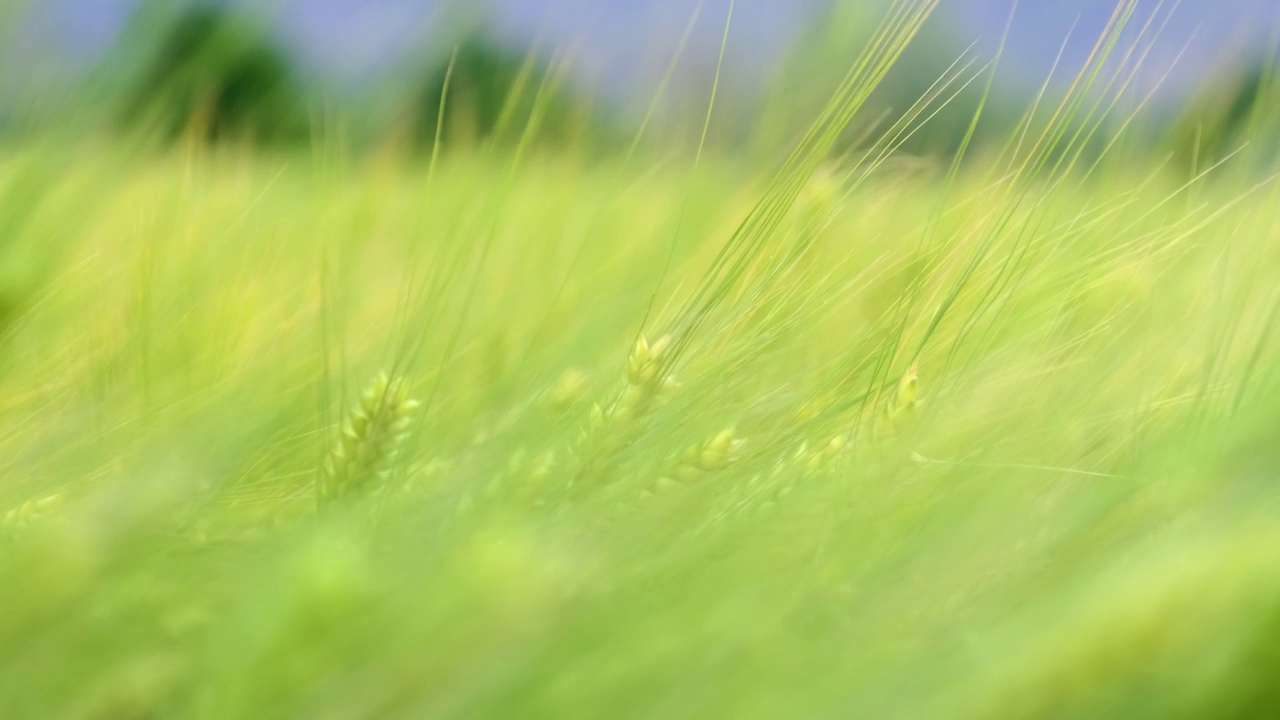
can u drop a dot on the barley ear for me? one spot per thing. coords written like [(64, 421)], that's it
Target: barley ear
[(369, 443), (896, 413), (31, 512)]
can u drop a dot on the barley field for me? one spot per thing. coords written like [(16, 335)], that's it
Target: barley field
[(663, 433)]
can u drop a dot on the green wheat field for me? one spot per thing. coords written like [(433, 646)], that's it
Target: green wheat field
[(664, 432)]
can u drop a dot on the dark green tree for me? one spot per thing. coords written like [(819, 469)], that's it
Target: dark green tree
[(212, 73), (1228, 113), (496, 96)]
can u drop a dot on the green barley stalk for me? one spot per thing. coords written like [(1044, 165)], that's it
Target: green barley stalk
[(32, 512), (371, 439)]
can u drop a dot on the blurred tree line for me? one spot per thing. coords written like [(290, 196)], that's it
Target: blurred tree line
[(1230, 111), (1234, 106), (213, 72), (209, 72)]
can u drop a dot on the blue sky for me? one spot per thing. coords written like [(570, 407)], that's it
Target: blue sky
[(621, 39)]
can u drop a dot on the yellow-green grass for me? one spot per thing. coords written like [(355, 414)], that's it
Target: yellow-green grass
[(841, 438)]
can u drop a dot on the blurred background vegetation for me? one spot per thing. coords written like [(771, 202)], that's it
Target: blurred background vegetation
[(217, 72), (190, 305), (208, 72)]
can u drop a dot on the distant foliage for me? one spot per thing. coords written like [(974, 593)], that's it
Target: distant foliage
[(934, 79), (494, 95), (1227, 114), (215, 75)]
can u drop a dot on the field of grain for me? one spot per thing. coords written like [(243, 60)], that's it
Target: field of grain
[(508, 432)]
